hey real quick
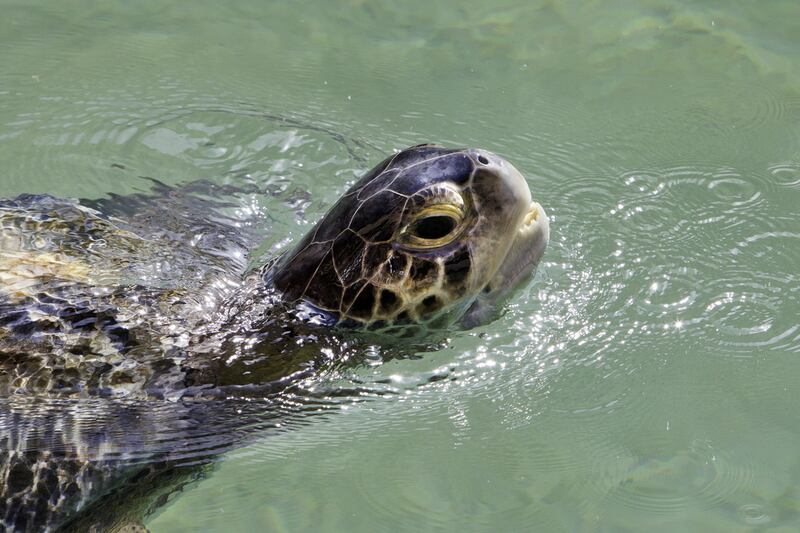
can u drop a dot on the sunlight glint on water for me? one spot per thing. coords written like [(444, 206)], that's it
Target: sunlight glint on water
[(644, 381)]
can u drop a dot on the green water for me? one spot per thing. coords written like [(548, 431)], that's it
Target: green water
[(645, 381)]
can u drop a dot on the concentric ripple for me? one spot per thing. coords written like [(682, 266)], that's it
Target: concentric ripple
[(176, 138), (697, 477)]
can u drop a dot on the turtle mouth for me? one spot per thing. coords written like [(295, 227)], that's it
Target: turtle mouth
[(532, 217), (519, 264), (525, 252), (528, 246)]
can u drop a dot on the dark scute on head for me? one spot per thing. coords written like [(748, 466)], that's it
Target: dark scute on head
[(374, 257), (418, 153), (292, 274), (455, 167), (396, 266), (325, 289), (423, 271), (375, 184), (457, 266), (350, 294), (378, 218), (389, 301), (348, 250), (363, 304)]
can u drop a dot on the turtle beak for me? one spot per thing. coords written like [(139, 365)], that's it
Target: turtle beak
[(528, 247), (525, 253), (520, 263), (528, 218)]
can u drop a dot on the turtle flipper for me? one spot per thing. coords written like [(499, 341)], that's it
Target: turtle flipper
[(125, 508)]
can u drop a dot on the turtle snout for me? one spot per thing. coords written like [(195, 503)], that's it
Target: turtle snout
[(486, 160), (505, 182)]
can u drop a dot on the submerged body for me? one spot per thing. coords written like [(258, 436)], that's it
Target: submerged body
[(431, 236)]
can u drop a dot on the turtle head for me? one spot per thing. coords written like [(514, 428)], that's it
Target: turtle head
[(429, 231)]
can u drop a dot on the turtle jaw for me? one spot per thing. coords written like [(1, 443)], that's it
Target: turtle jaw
[(527, 249), (519, 264), (525, 252)]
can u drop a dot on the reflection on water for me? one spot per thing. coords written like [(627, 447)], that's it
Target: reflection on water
[(644, 380)]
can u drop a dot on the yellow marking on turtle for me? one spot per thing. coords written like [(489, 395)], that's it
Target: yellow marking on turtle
[(21, 271)]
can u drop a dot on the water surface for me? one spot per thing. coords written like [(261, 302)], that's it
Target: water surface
[(645, 380)]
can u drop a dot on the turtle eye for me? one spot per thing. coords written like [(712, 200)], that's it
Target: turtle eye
[(433, 227)]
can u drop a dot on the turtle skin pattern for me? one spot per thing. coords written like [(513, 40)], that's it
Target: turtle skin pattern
[(356, 272)]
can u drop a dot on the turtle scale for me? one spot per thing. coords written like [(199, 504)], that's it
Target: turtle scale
[(364, 219), (348, 253)]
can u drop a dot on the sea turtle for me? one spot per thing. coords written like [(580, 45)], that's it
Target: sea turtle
[(113, 379)]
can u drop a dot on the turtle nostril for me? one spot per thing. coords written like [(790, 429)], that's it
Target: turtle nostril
[(483, 160)]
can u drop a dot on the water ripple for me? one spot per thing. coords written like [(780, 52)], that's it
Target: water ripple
[(176, 138), (699, 476), (786, 175)]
